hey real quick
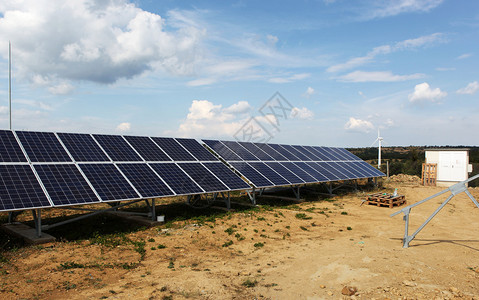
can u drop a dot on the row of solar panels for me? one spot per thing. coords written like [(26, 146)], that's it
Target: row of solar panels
[(42, 169)]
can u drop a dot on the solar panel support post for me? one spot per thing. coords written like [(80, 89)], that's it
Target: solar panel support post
[(296, 191), (153, 209), (228, 201), (454, 190), (252, 196), (37, 219)]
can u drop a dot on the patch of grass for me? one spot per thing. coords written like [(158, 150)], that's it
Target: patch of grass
[(303, 228), (349, 228), (249, 282), (227, 244), (161, 246), (258, 245), (311, 209), (302, 216), (171, 264), (70, 265), (261, 219), (288, 227), (230, 230), (151, 240), (344, 212)]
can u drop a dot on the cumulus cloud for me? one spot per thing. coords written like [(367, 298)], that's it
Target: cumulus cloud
[(384, 76), (125, 126), (358, 125), (470, 89), (207, 119), (423, 92), (301, 113), (98, 41), (309, 92)]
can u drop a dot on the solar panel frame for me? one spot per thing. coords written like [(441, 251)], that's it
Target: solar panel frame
[(179, 181), (269, 173), (42, 146), (66, 185), (145, 180), (147, 149), (252, 175), (224, 152), (82, 147), (20, 189), (10, 149), (196, 149), (203, 177), (117, 148), (222, 172), (174, 149)]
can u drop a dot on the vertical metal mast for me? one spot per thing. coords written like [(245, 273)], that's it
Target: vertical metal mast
[(10, 82)]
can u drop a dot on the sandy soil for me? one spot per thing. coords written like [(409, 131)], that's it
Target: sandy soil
[(273, 254)]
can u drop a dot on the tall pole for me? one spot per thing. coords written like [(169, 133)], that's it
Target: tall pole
[(10, 82), (379, 154)]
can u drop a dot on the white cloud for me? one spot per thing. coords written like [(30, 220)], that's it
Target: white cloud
[(442, 69), (294, 77), (464, 56), (470, 89), (309, 92), (125, 126), (201, 81), (384, 9), (359, 125), (99, 41), (383, 76), (61, 89), (423, 92), (408, 44), (301, 113), (238, 108)]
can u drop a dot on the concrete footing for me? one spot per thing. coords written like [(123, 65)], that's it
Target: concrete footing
[(145, 221), (27, 233)]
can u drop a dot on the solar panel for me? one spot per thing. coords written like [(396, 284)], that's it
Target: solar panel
[(176, 178), (10, 150), (306, 167), (372, 170), (198, 151), (65, 184), (307, 153), (147, 148), (319, 153), (305, 176), (364, 173), (333, 170), (42, 146), (173, 149), (251, 174), (271, 152), (82, 147), (240, 150), (203, 177), (256, 151), (269, 173), (108, 182), (144, 179), (343, 169), (296, 152), (287, 174), (289, 156), (226, 175), (339, 154), (19, 188), (117, 148), (325, 171), (222, 150), (334, 156), (325, 152)]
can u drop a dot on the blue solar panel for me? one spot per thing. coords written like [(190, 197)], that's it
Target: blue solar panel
[(203, 177), (117, 148), (305, 176), (19, 188), (289, 156), (338, 153), (256, 151), (176, 179), (227, 176), (296, 152), (311, 154), (108, 182), (325, 171), (269, 173), (333, 170), (287, 174), (42, 146), (358, 168), (82, 147), (332, 154), (198, 151), (319, 153), (372, 171), (315, 155), (173, 149), (240, 150), (271, 152), (65, 184), (343, 169), (312, 171), (144, 179), (147, 148), (349, 154), (222, 150), (252, 175), (10, 151)]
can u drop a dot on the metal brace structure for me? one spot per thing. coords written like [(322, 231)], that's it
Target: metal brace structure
[(195, 201), (454, 189), (353, 184)]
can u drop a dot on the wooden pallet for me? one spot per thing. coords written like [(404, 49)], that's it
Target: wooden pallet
[(386, 200), (429, 174)]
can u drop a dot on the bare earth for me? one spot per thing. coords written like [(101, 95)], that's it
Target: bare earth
[(343, 244)]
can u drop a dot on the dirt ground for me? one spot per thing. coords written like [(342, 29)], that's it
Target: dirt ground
[(310, 250)]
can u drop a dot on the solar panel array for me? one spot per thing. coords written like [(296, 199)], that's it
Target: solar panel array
[(46, 169), (268, 165)]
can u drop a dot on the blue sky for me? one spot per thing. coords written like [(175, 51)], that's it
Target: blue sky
[(208, 69)]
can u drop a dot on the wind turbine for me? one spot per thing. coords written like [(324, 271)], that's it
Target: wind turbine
[(379, 140)]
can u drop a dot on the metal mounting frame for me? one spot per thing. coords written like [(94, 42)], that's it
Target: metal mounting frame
[(454, 189)]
